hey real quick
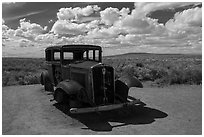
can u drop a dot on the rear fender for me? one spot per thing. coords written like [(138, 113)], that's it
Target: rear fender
[(41, 79), (44, 77)]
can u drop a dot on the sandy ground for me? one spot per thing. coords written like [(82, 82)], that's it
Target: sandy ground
[(169, 110)]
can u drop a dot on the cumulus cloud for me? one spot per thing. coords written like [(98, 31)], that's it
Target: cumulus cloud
[(24, 35), (103, 33), (10, 32), (65, 14), (27, 29), (67, 27), (25, 43), (131, 39), (7, 32), (111, 15), (46, 37), (143, 8), (191, 18), (93, 24), (18, 32), (72, 40), (124, 11), (89, 10), (75, 13), (186, 28), (31, 27), (132, 23), (4, 28)]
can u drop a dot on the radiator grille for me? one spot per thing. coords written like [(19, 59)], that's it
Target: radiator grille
[(103, 84)]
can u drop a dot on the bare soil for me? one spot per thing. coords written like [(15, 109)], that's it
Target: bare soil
[(169, 110)]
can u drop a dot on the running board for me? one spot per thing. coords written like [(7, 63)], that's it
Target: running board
[(106, 107)]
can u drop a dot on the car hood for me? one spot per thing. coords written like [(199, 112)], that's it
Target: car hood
[(86, 64)]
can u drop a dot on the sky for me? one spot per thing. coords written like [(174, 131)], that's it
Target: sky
[(118, 27)]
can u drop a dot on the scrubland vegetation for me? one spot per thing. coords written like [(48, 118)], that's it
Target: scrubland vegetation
[(21, 71), (160, 70)]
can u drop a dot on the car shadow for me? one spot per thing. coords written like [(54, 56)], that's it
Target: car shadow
[(101, 121)]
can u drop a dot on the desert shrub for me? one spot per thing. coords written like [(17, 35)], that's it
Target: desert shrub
[(128, 70), (192, 76), (139, 64), (5, 80), (143, 73), (175, 77), (158, 73), (181, 76), (30, 79)]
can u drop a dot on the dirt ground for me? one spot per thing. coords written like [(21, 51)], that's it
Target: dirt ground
[(171, 110)]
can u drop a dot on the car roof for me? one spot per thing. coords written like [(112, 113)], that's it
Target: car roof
[(73, 47)]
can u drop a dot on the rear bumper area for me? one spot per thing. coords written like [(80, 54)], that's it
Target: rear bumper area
[(136, 102)]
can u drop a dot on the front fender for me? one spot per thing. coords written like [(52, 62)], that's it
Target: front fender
[(122, 86), (70, 87), (131, 81)]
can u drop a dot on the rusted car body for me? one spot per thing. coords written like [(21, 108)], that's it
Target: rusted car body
[(83, 82)]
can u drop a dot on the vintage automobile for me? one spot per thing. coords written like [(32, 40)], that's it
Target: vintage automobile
[(83, 82)]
